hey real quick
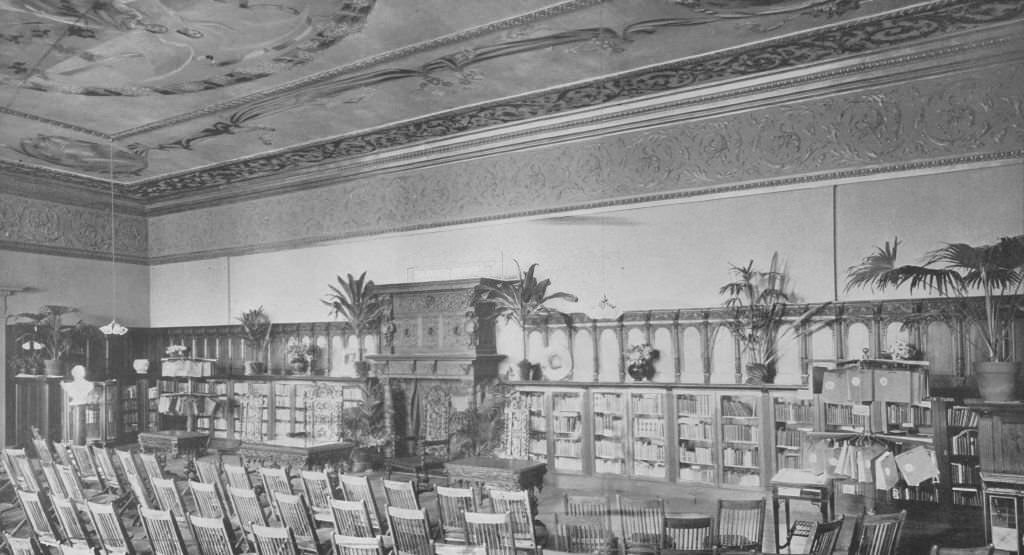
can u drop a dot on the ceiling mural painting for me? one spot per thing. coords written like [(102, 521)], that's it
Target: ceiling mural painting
[(551, 61), (141, 47)]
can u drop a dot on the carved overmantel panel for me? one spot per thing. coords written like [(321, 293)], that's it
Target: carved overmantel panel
[(435, 340)]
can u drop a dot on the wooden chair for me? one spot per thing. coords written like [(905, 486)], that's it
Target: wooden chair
[(823, 536), (168, 498), (150, 465), (248, 510), (108, 473), (877, 534), (213, 536), (319, 493), (68, 549), (355, 488), (207, 469), (113, 537), (208, 500), (452, 504), (491, 530), (687, 532), (401, 494), (295, 514), (19, 469), (134, 477), (53, 482), (351, 518), (82, 459), (517, 504), (981, 550), (274, 540), (357, 545), (237, 476), (739, 524), (70, 520), (275, 480), (23, 546), (162, 530), (140, 492), (75, 489), (38, 516), (41, 446), (61, 453), (588, 505), (410, 531), (583, 534), (642, 523)]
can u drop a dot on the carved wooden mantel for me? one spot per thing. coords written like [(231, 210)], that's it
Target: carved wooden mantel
[(434, 341)]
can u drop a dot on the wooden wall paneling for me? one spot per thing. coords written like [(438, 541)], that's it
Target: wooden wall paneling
[(583, 346)]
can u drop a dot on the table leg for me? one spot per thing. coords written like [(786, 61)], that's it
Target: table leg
[(775, 520)]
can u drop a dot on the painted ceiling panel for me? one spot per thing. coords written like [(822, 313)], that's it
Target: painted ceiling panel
[(177, 96)]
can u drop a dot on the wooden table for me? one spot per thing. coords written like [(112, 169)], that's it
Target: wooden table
[(789, 484), (492, 472), (294, 453), (173, 443)]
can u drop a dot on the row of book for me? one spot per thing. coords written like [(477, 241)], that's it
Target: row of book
[(648, 404), (732, 406), (695, 405), (794, 411), (741, 432)]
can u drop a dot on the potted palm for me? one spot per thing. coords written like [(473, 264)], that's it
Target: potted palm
[(955, 271), (46, 328), (256, 327), (366, 425), (759, 302), (357, 301), (517, 301)]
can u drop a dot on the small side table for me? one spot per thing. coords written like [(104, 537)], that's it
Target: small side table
[(802, 485), (174, 443)]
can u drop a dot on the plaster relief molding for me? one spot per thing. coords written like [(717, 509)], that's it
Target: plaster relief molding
[(52, 228), (958, 118)]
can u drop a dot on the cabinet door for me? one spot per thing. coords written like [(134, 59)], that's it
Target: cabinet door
[(647, 431), (1002, 443), (695, 429), (608, 409), (567, 430)]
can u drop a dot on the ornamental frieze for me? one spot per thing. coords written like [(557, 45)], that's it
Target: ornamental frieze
[(971, 116), (30, 223)]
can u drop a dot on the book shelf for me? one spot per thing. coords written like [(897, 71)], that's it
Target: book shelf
[(695, 429), (609, 431), (793, 418), (567, 431), (957, 439), (740, 443), (647, 434)]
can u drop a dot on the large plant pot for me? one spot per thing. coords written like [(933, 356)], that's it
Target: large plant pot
[(54, 367), (997, 381)]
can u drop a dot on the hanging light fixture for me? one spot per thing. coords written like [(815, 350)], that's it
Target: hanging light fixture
[(114, 327)]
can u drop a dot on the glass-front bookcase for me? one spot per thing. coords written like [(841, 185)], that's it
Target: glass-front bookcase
[(609, 431), (695, 427)]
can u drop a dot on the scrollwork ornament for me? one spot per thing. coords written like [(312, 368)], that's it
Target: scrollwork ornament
[(871, 126), (957, 115)]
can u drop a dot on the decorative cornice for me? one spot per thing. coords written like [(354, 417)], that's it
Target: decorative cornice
[(861, 37), (969, 118)]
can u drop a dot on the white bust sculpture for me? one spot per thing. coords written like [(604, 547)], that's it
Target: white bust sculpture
[(79, 390)]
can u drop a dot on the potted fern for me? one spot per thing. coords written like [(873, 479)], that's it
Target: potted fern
[(517, 301), (955, 271), (759, 302), (256, 327), (46, 331), (365, 424), (357, 301)]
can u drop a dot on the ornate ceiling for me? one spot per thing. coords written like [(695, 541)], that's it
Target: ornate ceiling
[(171, 98)]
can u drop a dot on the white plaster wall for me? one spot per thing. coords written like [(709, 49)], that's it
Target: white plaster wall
[(81, 283), (667, 256)]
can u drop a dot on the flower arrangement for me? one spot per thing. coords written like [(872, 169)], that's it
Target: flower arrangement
[(301, 352), (640, 361), (176, 351), (903, 351)]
